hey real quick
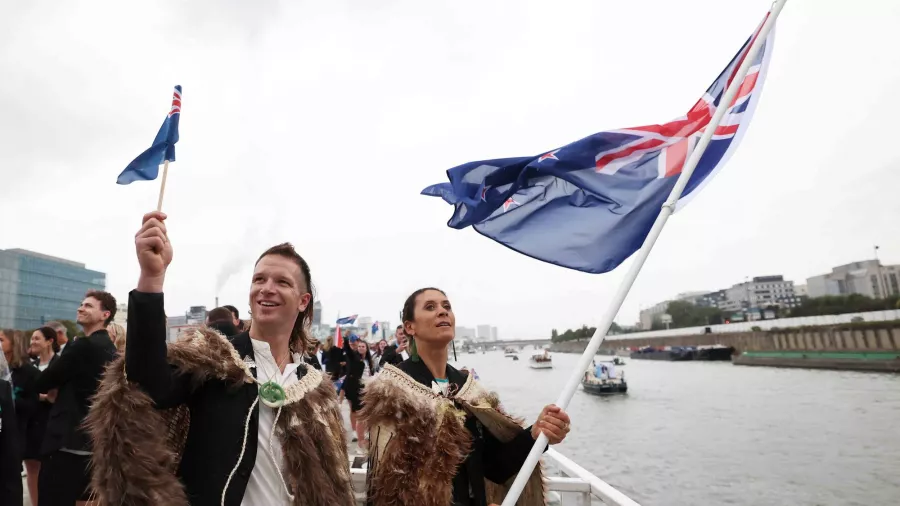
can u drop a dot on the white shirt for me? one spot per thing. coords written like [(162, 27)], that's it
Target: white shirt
[(265, 487)]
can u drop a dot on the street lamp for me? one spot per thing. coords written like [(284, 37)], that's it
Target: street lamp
[(881, 283)]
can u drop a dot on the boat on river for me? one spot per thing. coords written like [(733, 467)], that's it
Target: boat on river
[(685, 353), (511, 352), (603, 379), (541, 361)]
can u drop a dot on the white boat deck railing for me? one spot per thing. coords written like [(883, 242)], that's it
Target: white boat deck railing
[(574, 486)]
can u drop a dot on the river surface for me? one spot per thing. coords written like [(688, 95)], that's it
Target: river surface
[(697, 433)]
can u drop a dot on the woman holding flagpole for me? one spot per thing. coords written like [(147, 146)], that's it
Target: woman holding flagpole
[(437, 437)]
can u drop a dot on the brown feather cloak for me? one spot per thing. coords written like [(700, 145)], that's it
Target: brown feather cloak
[(418, 440), (137, 447)]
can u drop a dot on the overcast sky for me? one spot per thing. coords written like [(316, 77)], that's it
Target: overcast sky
[(319, 123)]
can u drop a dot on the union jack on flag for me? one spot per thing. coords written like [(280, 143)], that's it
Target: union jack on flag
[(176, 102), (667, 146), (590, 204), (146, 166)]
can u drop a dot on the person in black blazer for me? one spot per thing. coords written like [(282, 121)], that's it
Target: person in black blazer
[(65, 476), (24, 376), (10, 448)]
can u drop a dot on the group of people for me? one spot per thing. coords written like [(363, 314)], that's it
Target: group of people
[(46, 385), (249, 415)]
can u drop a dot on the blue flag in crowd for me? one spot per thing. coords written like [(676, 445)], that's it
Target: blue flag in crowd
[(347, 320), (374, 328), (589, 205), (146, 166)]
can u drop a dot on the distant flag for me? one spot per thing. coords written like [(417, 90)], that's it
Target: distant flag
[(146, 166), (347, 320), (338, 336), (589, 205)]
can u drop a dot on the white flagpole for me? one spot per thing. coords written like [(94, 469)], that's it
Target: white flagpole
[(603, 327), (162, 187)]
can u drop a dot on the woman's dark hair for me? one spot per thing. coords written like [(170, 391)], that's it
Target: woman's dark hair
[(367, 357), (300, 337), (409, 307), (50, 335)]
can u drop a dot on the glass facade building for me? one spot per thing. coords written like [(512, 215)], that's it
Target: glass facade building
[(37, 288)]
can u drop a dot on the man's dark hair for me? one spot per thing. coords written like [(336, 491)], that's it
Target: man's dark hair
[(224, 327), (300, 337), (234, 311), (219, 314), (107, 303)]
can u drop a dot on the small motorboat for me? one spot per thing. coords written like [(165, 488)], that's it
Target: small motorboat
[(618, 361), (603, 379), (541, 361), (511, 352)]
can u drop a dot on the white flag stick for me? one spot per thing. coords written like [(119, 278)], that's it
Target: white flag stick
[(616, 303), (162, 187)]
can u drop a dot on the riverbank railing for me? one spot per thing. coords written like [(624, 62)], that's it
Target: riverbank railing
[(572, 485)]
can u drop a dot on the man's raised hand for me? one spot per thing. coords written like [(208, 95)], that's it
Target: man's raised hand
[(154, 252)]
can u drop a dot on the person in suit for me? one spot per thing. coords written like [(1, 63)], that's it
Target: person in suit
[(65, 478), (393, 353), (10, 446), (24, 375)]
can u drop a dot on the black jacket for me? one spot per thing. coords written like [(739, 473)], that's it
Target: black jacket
[(334, 356), (10, 449), (313, 361), (76, 374), (489, 458), (390, 356), (24, 381), (218, 410)]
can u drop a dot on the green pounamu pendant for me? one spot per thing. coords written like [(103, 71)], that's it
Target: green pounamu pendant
[(272, 394)]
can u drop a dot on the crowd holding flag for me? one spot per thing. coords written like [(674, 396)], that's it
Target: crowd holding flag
[(589, 205), (146, 166)]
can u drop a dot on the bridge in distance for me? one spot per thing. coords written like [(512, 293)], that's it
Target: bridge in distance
[(514, 343)]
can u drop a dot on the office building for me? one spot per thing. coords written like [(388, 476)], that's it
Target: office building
[(196, 315), (317, 314), (486, 333), (365, 326), (121, 315), (465, 334), (760, 293), (37, 288), (655, 311), (868, 277)]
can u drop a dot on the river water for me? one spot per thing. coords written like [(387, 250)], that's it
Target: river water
[(692, 433)]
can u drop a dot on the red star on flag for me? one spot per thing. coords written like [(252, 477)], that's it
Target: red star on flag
[(549, 156), (509, 202)]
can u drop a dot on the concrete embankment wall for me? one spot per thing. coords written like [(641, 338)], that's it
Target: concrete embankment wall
[(869, 349)]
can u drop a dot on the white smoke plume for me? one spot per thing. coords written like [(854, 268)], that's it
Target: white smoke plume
[(255, 239)]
